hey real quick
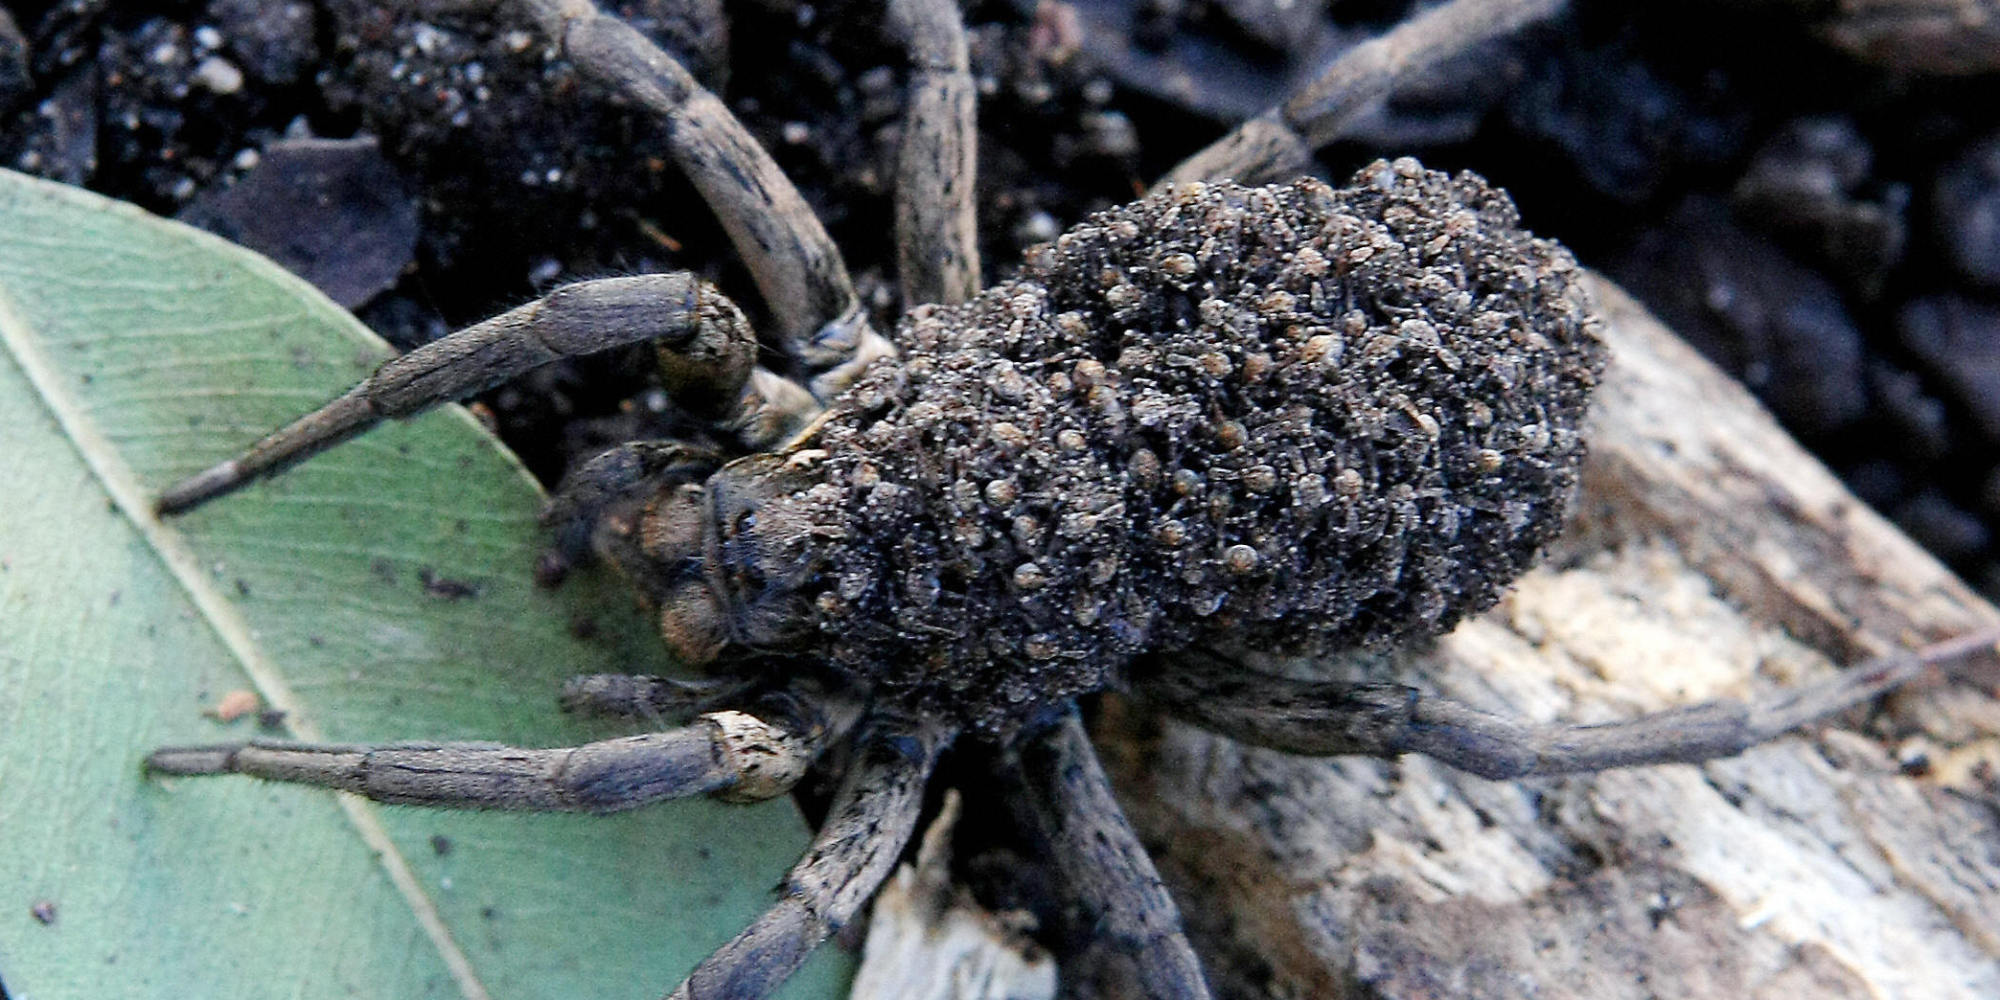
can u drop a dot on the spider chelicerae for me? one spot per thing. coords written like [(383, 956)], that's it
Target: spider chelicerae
[(1221, 419)]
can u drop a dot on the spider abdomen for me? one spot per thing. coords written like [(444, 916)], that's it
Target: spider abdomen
[(1286, 418)]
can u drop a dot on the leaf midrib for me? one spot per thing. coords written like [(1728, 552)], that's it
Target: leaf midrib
[(223, 618)]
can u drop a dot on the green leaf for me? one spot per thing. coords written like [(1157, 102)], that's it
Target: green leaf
[(137, 351)]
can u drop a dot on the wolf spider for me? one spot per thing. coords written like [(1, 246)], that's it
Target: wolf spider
[(1219, 419)]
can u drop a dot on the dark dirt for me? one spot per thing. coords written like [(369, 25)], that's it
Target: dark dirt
[(1826, 229)]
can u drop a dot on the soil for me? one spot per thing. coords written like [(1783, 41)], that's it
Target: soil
[(1825, 227)]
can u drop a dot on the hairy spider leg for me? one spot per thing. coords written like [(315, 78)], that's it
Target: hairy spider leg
[(935, 229), (873, 816), (735, 755), (1106, 868), (650, 697), (1279, 142), (937, 242), (1387, 720), (798, 270), (819, 320), (710, 346)]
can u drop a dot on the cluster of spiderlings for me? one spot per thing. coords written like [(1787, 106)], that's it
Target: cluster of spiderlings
[(1284, 418)]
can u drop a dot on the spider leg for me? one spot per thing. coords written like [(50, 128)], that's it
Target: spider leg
[(937, 247), (705, 335), (647, 696), (872, 817), (733, 754), (1279, 142), (1385, 720), (1070, 803), (795, 264)]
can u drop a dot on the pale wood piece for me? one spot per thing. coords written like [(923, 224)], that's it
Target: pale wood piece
[(1710, 556), (928, 940), (1279, 142)]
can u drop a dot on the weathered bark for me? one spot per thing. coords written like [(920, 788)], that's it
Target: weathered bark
[(1710, 557)]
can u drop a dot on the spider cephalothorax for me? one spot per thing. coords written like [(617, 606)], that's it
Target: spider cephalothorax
[(1219, 419), (1292, 416)]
